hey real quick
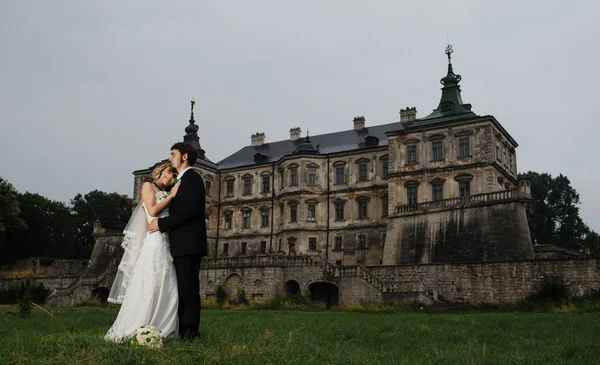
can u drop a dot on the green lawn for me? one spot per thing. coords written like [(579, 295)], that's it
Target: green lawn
[(295, 337)]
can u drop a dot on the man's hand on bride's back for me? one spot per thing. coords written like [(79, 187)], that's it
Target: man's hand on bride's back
[(175, 189)]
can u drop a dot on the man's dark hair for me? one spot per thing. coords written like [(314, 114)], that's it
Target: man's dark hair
[(183, 148)]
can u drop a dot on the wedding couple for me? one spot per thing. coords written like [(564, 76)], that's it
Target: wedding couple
[(157, 281)]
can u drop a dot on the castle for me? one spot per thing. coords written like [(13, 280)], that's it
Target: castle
[(425, 208)]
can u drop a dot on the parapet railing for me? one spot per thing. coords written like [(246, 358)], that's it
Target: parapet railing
[(259, 261), (457, 202)]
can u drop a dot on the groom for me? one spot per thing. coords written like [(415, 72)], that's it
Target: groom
[(187, 233)]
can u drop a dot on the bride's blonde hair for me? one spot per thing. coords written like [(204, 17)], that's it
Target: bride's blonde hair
[(158, 171)]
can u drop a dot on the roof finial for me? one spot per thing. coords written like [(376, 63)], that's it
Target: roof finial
[(449, 52), (193, 102)]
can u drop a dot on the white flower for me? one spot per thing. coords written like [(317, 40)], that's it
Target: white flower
[(147, 336)]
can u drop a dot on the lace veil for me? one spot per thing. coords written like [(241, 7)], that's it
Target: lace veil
[(135, 234)]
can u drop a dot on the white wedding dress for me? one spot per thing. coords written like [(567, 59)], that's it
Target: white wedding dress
[(148, 290)]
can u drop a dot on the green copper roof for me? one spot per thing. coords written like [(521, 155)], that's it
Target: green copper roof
[(451, 106)]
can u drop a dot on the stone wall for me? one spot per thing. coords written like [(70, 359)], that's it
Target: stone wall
[(47, 267), (489, 282), (480, 228)]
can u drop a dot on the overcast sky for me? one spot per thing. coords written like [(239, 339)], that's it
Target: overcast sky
[(93, 90)]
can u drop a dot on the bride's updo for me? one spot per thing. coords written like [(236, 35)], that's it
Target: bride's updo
[(158, 171)]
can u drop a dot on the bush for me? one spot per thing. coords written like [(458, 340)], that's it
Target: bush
[(553, 289), (220, 294), (46, 261), (24, 299), (242, 299), (12, 294)]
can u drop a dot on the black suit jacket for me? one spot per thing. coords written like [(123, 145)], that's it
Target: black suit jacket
[(186, 224)]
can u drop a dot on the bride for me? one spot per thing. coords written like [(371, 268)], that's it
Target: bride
[(145, 284)]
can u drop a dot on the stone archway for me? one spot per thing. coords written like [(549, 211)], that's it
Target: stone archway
[(101, 294), (234, 284), (323, 292), (291, 288)]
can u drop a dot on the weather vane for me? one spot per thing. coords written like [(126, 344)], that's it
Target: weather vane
[(449, 52)]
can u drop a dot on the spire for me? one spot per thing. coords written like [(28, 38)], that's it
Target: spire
[(451, 104), (191, 133)]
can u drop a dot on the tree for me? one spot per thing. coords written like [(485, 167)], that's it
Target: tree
[(50, 231), (112, 209), (10, 219), (9, 208), (553, 214)]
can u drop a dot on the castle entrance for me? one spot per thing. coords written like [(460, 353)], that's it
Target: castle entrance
[(326, 293), (291, 288)]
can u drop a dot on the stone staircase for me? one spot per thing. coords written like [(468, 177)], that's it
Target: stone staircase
[(358, 271), (62, 296)]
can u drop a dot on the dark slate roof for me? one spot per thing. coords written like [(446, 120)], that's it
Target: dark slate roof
[(199, 162), (349, 140)]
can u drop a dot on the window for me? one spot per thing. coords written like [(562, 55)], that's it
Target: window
[(438, 192), (337, 262), (228, 220), (312, 243), (264, 218), (293, 176), (437, 152), (311, 212), (292, 247), (244, 247), (266, 184), (337, 246), (207, 184), (246, 219), (229, 187), (281, 213), (510, 162), (263, 246), (362, 209), (339, 211), (384, 206), (281, 179), (312, 177), (411, 193), (498, 157), (247, 186), (463, 147), (504, 159), (385, 168), (293, 213), (225, 249), (363, 174), (339, 175), (362, 241), (464, 188), (411, 154)]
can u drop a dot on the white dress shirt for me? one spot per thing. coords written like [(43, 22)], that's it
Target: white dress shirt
[(183, 172)]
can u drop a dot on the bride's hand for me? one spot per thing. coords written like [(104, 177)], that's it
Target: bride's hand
[(175, 189)]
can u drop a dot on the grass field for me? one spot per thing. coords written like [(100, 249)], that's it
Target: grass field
[(297, 337)]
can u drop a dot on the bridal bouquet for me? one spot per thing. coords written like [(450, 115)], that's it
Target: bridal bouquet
[(147, 336)]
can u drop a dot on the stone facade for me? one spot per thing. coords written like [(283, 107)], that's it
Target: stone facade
[(422, 208)]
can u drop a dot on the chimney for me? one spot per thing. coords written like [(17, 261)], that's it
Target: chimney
[(408, 114), (295, 133), (359, 123), (258, 139)]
